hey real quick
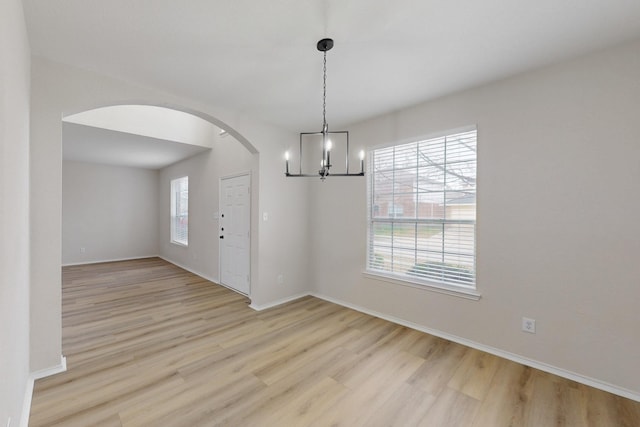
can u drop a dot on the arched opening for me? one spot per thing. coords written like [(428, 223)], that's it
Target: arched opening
[(119, 162), (171, 107)]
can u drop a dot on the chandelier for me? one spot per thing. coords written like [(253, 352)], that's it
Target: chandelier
[(326, 141)]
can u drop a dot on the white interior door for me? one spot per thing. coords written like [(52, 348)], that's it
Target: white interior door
[(235, 232)]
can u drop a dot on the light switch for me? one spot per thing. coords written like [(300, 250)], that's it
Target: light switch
[(265, 216)]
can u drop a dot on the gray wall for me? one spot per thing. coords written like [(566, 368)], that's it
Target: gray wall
[(557, 217), (14, 211), (109, 211)]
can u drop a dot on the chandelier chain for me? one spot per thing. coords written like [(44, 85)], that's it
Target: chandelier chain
[(324, 93)]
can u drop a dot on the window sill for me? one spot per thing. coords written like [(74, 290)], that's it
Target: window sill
[(184, 245), (456, 291)]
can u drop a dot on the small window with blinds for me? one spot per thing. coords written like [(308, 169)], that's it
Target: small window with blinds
[(422, 210), (180, 211)]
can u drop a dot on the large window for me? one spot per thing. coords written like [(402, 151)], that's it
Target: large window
[(180, 210), (422, 210)]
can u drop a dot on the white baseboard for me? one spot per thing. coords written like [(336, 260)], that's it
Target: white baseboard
[(229, 287), (278, 302), (592, 382), (190, 270), (71, 264), (204, 276), (28, 394), (42, 373), (26, 403)]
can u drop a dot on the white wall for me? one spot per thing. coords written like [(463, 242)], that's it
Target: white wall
[(277, 245), (557, 217), (109, 211), (14, 211), (226, 157)]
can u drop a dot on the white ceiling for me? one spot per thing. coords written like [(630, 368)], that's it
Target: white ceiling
[(259, 57), (142, 136), (95, 145), (150, 120)]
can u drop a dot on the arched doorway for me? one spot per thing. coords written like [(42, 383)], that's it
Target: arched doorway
[(110, 156)]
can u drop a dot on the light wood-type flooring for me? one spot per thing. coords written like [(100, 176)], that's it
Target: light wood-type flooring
[(149, 344)]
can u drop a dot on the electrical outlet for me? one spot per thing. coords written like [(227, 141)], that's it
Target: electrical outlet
[(83, 250), (280, 279), (529, 325)]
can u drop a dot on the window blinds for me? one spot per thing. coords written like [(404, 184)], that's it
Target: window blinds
[(422, 209)]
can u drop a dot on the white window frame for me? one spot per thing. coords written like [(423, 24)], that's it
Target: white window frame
[(179, 213), (465, 288)]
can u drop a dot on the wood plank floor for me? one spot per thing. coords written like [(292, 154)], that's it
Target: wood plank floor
[(149, 344)]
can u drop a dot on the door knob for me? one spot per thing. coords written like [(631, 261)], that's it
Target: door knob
[(222, 237)]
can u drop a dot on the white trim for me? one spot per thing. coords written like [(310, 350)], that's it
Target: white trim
[(28, 394), (236, 175), (26, 403), (278, 302), (592, 382), (190, 270), (232, 289), (110, 260), (204, 276), (456, 291), (47, 372)]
